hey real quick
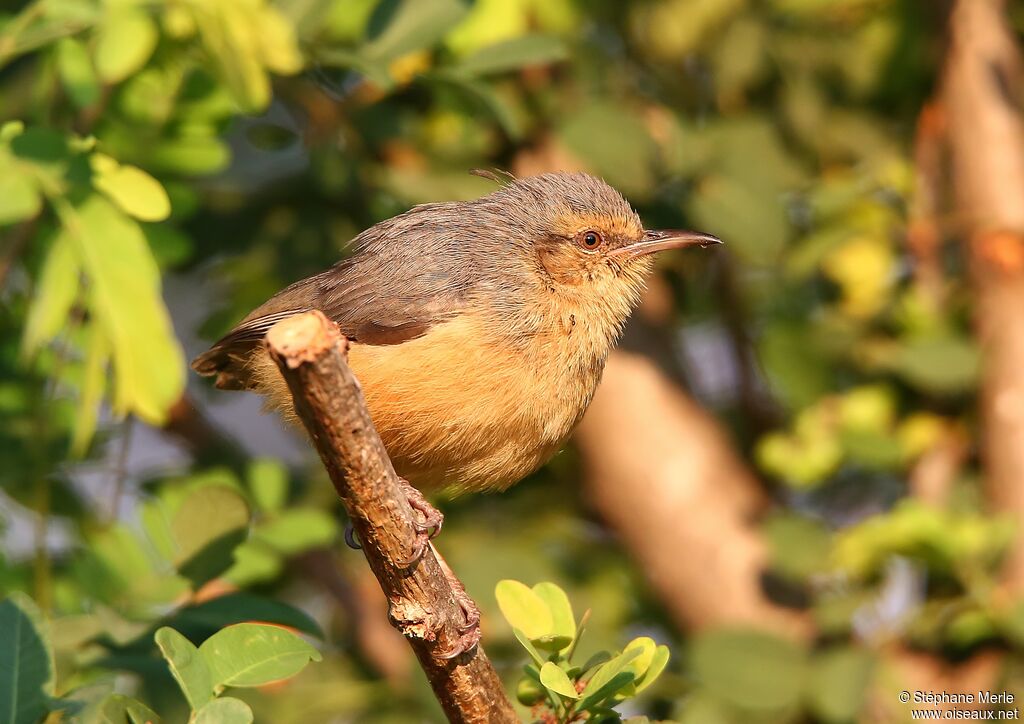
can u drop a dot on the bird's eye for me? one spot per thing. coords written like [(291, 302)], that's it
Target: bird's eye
[(590, 240)]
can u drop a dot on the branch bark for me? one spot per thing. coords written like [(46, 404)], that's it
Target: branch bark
[(985, 127), (310, 352)]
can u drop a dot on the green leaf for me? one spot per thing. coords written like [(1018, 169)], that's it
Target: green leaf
[(187, 665), (191, 155), (657, 665), (838, 684), (943, 365), (19, 197), (232, 38), (481, 94), (211, 522), (609, 679), (125, 42), (26, 661), (97, 354), (526, 50), (750, 669), (133, 190), (563, 622), (398, 27), (210, 616), (76, 72), (523, 639), (119, 709), (523, 608), (552, 676), (250, 654), (626, 163), (646, 649), (268, 481), (225, 710), (54, 296), (125, 298), (297, 530)]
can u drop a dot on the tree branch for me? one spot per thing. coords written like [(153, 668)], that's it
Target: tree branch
[(309, 350), (986, 138)]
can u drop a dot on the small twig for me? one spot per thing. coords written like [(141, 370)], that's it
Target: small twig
[(309, 351), (120, 472)]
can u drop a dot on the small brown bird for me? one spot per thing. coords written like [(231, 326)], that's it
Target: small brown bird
[(479, 329)]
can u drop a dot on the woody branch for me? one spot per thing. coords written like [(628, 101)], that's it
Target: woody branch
[(310, 352)]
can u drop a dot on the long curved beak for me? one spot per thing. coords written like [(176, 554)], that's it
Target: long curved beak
[(653, 241)]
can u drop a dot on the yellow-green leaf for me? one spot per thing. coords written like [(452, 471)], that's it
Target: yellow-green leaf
[(523, 608), (226, 710), (657, 664), (54, 295), (19, 196), (76, 72), (552, 676), (563, 622), (125, 299), (97, 353), (253, 654), (132, 189), (187, 665), (125, 42)]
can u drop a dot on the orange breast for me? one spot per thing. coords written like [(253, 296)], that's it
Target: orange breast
[(459, 407)]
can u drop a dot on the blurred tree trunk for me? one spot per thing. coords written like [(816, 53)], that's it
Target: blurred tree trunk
[(665, 476), (981, 93)]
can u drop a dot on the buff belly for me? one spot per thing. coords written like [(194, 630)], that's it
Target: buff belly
[(460, 410)]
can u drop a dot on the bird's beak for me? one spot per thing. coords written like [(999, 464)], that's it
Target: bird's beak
[(653, 241)]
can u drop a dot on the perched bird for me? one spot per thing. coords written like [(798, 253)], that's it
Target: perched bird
[(479, 329)]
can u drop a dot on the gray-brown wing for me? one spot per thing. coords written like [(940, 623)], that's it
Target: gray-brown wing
[(386, 293)]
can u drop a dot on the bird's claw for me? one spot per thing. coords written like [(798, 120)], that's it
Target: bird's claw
[(427, 528), (350, 537), (469, 631)]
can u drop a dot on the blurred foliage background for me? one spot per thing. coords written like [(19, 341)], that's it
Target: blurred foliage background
[(166, 165)]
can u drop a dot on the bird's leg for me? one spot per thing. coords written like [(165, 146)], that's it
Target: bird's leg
[(427, 528), (469, 631)]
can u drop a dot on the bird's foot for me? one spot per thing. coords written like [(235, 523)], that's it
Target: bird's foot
[(469, 631), (350, 537), (427, 524)]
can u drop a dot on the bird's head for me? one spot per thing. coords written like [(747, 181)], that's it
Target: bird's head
[(581, 237)]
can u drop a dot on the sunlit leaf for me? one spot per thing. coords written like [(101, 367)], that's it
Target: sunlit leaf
[(97, 354), (608, 679), (19, 197), (125, 297), (249, 654), (657, 665), (552, 676), (134, 191), (54, 295), (523, 608), (563, 622), (187, 665), (126, 40), (76, 72)]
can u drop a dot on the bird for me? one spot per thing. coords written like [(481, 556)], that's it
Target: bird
[(479, 329)]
